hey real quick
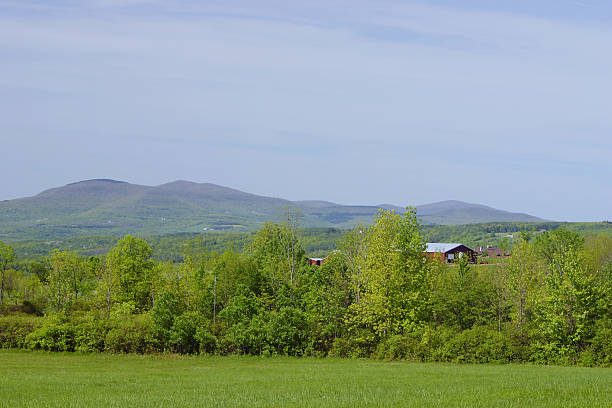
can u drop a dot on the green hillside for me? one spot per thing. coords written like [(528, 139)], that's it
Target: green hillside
[(110, 207), (317, 242)]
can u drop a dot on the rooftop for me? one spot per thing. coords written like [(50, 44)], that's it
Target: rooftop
[(441, 246)]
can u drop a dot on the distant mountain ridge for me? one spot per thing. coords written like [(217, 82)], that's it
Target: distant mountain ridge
[(108, 206)]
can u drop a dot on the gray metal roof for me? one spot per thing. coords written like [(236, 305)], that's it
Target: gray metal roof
[(441, 246)]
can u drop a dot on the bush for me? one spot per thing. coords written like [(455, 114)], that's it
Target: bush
[(246, 337), (91, 334), (341, 347), (287, 332), (599, 352), (480, 344), (56, 334), (26, 307), (15, 329), (183, 333), (402, 347), (542, 352), (359, 343), (435, 341), (132, 334), (207, 342), (166, 309)]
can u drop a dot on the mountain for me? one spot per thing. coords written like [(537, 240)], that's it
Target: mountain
[(454, 212), (104, 206)]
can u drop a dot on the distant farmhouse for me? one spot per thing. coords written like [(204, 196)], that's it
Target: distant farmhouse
[(443, 251), (491, 251), (316, 261), (449, 252)]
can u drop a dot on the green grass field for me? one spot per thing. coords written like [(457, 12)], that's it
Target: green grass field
[(31, 379)]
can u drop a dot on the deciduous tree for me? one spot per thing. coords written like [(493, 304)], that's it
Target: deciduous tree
[(7, 255), (130, 262)]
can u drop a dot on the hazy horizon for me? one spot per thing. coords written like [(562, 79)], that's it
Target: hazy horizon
[(360, 102)]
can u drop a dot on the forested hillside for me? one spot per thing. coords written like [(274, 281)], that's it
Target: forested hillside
[(317, 242), (377, 296), (110, 207)]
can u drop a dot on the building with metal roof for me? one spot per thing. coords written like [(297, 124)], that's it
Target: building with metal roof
[(448, 252)]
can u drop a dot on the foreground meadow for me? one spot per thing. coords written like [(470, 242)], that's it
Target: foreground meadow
[(35, 379)]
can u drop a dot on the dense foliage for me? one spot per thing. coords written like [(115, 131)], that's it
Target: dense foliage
[(375, 296), (317, 242)]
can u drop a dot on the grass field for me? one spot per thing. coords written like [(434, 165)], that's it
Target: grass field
[(30, 379)]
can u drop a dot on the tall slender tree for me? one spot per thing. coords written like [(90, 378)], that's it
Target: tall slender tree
[(354, 251), (7, 255)]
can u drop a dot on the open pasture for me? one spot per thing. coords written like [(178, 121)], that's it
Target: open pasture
[(34, 379)]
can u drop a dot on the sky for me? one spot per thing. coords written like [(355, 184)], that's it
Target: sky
[(503, 103)]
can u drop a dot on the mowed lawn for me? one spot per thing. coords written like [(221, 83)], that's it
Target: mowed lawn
[(32, 379)]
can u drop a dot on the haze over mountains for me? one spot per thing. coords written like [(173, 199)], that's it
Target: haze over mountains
[(103, 206)]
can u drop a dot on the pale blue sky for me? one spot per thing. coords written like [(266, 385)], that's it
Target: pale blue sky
[(504, 103)]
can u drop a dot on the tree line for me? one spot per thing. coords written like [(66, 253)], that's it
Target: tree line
[(376, 295)]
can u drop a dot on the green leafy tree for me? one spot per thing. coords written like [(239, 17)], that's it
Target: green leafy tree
[(7, 255), (503, 245), (325, 292), (354, 251), (526, 235), (501, 285), (167, 308), (574, 296), (557, 243), (463, 299), (463, 264), (107, 287), (396, 298), (525, 273), (40, 269), (276, 251), (131, 265), (65, 278), (598, 251), (290, 226)]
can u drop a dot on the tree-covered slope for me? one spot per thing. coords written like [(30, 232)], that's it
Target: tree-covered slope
[(103, 206), (454, 212)]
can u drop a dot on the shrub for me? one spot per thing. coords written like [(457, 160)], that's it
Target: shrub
[(341, 347), (207, 342), (15, 329), (287, 332), (132, 334), (246, 337), (599, 353), (402, 347), (480, 344), (183, 333), (90, 334), (166, 309), (435, 342), (56, 334), (359, 343)]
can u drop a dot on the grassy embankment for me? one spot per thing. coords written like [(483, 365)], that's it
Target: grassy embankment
[(30, 379)]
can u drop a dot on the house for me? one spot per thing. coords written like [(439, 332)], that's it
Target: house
[(319, 261), (449, 252), (490, 251), (316, 261)]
